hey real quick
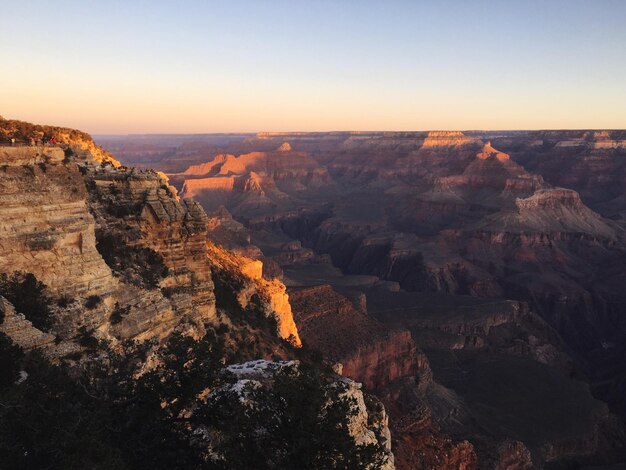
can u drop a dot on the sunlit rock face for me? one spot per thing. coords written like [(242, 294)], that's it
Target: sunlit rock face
[(254, 182), (47, 228), (448, 138), (250, 282)]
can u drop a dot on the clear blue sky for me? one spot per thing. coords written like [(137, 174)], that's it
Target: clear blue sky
[(202, 66)]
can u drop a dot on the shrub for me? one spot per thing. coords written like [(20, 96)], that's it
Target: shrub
[(98, 417), (10, 356), (28, 296), (304, 422), (64, 301), (119, 313), (86, 338), (93, 301)]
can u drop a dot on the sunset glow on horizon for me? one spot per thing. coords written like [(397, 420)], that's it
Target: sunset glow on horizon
[(159, 67)]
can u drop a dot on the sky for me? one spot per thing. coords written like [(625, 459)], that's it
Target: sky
[(159, 66)]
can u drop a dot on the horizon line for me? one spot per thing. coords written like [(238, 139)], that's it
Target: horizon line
[(563, 129)]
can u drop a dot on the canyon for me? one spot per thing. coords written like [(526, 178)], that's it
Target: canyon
[(434, 266), (453, 297), (110, 294)]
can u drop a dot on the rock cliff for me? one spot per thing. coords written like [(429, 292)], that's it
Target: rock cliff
[(132, 288), (369, 352), (93, 230), (247, 274)]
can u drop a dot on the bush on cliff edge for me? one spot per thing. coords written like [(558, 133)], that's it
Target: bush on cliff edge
[(28, 296)]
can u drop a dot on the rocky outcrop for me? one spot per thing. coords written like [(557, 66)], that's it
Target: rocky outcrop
[(77, 143), (60, 216), (248, 282), (139, 211), (369, 352), (14, 156), (386, 360), (48, 230), (366, 425), (420, 444), (551, 211), (224, 230)]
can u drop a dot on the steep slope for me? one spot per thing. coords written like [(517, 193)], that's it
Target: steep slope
[(368, 351), (248, 274)]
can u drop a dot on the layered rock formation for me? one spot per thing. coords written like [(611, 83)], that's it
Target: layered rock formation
[(51, 224), (368, 351), (117, 239), (252, 183), (47, 228), (139, 211), (272, 293)]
